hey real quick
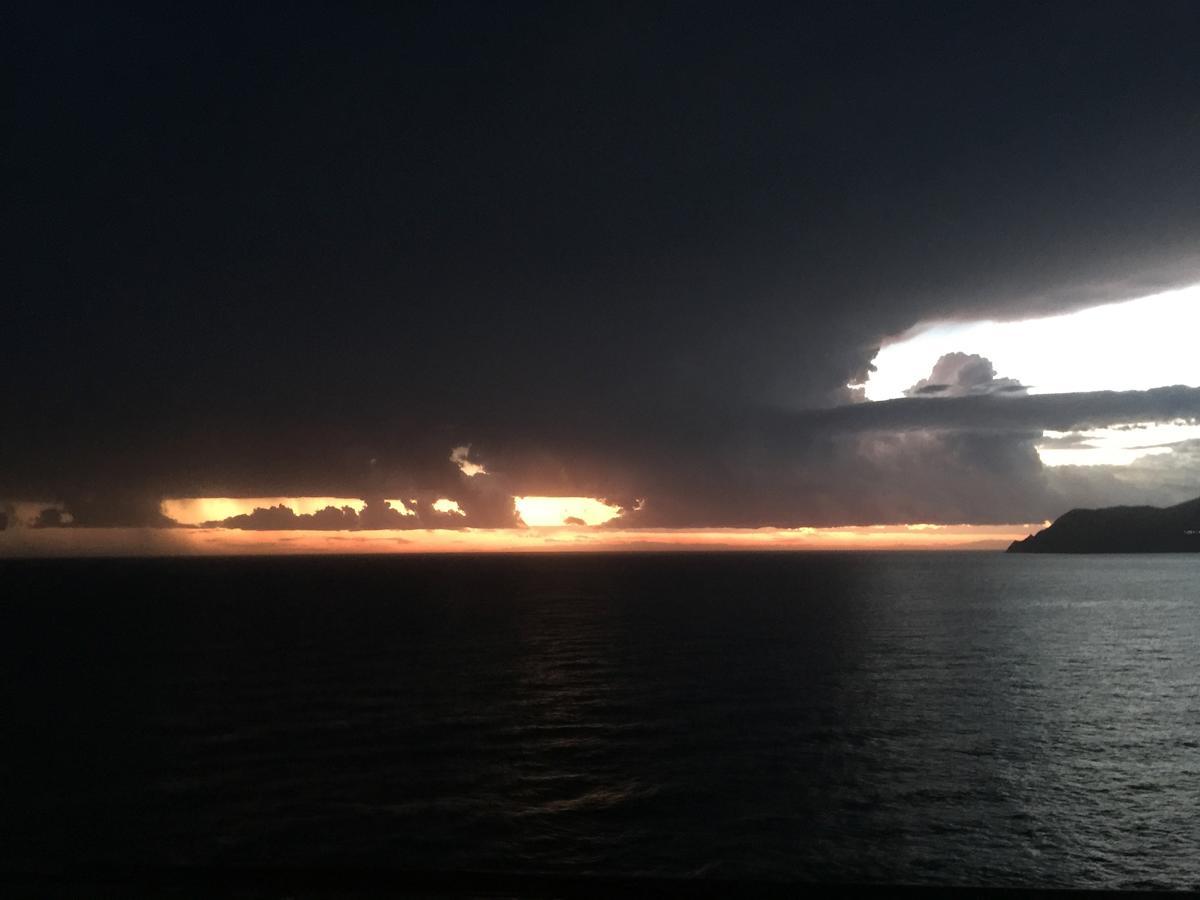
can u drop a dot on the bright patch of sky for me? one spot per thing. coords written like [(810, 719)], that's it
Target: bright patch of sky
[(446, 505), (1114, 446), (1134, 345), (195, 510), (552, 511)]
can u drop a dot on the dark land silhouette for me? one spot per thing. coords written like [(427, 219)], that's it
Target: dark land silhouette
[(1119, 529)]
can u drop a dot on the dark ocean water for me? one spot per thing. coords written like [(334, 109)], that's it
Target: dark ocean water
[(923, 718)]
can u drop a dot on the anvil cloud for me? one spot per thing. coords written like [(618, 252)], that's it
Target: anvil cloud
[(635, 255)]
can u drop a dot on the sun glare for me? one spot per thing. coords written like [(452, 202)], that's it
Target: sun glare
[(538, 512)]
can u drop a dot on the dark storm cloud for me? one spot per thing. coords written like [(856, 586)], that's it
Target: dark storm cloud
[(948, 460), (1072, 441), (268, 255), (958, 459), (376, 514), (992, 413), (480, 509), (1160, 480), (113, 508), (284, 518), (51, 517), (941, 477)]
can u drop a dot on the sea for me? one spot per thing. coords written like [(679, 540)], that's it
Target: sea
[(925, 718)]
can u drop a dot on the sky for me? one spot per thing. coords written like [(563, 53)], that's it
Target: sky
[(483, 275)]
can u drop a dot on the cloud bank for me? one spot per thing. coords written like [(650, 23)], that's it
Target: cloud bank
[(967, 456), (610, 253)]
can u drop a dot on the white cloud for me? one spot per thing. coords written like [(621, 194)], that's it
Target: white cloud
[(963, 375), (458, 456)]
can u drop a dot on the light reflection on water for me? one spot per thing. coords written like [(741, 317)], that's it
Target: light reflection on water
[(932, 718)]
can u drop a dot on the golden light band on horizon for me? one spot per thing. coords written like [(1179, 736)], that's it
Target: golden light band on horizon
[(552, 523), (195, 541)]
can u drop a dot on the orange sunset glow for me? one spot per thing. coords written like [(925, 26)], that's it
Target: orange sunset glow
[(197, 510), (550, 511), (227, 541), (545, 524)]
